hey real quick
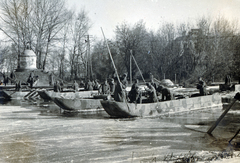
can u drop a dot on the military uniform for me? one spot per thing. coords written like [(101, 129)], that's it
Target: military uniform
[(135, 94), (75, 86), (152, 93), (119, 93)]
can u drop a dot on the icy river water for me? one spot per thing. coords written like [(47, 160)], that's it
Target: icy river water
[(37, 132)]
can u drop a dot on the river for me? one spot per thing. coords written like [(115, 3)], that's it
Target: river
[(36, 131)]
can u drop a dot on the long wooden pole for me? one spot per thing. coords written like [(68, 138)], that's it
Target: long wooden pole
[(114, 67), (112, 59), (137, 66), (221, 117), (130, 69)]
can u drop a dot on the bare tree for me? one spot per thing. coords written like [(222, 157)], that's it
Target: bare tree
[(131, 38), (78, 31), (37, 22), (15, 22)]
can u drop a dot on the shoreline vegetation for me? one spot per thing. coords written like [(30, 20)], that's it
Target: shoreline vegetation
[(203, 156)]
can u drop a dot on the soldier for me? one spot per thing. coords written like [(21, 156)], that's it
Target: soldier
[(202, 87), (19, 86), (89, 86), (57, 87), (13, 77), (112, 86), (51, 80), (75, 86), (124, 80), (120, 93), (16, 86), (228, 80), (166, 93), (151, 91), (82, 84), (5, 79), (96, 85), (135, 94), (105, 88)]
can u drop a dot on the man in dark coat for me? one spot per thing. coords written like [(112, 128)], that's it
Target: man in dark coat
[(75, 86), (105, 88), (202, 87), (120, 93), (112, 86), (57, 87), (5, 79), (51, 79), (16, 86), (166, 93), (151, 91), (13, 77), (89, 85), (135, 94), (96, 85), (19, 86)]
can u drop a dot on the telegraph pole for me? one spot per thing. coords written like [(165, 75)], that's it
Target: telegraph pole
[(89, 71)]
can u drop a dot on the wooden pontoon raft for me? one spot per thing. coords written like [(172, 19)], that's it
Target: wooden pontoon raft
[(77, 104), (12, 94), (125, 110), (50, 95)]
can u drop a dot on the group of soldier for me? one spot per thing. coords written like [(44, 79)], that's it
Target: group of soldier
[(152, 91), (119, 93), (116, 88), (12, 79)]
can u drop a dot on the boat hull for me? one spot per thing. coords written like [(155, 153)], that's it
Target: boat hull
[(11, 94), (78, 103), (50, 95), (124, 110)]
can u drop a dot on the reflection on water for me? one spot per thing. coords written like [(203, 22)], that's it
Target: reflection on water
[(37, 131)]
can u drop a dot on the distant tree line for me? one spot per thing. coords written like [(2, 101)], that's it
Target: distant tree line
[(208, 47), (184, 52)]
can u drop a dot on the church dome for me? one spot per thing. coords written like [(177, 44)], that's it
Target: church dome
[(28, 60), (28, 53)]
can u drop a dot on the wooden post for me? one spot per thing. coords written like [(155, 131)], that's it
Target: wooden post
[(175, 79), (131, 68), (221, 117)]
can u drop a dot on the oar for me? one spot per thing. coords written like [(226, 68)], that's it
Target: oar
[(114, 67)]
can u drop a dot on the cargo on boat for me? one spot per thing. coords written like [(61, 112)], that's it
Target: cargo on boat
[(124, 109)]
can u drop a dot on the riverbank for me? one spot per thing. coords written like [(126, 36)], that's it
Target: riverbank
[(205, 157)]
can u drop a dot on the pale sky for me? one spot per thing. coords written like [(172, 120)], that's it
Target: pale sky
[(109, 13)]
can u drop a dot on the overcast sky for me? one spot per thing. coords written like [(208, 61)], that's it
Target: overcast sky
[(109, 13)]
